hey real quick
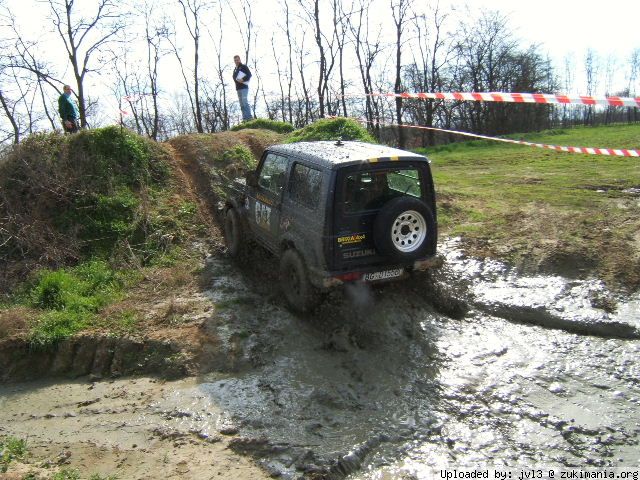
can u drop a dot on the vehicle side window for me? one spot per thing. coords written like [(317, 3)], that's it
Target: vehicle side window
[(305, 186), (273, 172)]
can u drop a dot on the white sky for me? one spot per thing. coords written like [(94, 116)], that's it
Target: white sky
[(570, 26), (562, 28)]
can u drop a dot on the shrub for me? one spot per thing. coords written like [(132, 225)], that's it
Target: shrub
[(238, 155), (265, 124), (332, 129)]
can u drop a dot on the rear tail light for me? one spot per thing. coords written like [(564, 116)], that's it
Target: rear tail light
[(340, 279), (349, 277)]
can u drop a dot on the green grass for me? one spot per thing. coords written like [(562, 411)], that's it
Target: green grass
[(265, 124), (515, 200), (11, 449), (69, 299)]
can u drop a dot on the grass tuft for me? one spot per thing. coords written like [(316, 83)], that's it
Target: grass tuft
[(331, 129)]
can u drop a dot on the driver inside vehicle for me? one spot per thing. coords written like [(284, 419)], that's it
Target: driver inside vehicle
[(377, 190)]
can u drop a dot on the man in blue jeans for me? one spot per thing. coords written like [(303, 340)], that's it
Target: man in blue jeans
[(241, 76)]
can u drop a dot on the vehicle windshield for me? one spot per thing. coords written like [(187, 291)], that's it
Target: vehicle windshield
[(370, 190)]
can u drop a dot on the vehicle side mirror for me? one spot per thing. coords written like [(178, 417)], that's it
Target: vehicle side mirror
[(252, 179)]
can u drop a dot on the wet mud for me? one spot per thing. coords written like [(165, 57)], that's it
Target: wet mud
[(472, 365)]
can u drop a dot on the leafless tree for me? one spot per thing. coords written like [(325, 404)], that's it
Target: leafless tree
[(433, 52), (287, 30), (9, 109), (326, 50), (632, 89), (20, 54), (223, 107), (83, 36), (400, 10), (301, 54), (366, 50), (192, 10), (591, 70)]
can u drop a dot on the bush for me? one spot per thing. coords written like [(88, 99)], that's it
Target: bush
[(265, 124), (332, 129)]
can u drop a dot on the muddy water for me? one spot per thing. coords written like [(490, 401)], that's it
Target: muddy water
[(379, 385)]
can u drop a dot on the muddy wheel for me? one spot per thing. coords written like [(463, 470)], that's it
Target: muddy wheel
[(405, 229), (294, 281), (234, 235)]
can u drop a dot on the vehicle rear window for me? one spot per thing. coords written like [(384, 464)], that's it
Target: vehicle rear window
[(305, 186), (372, 189)]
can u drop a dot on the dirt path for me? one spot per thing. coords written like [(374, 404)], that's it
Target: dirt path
[(136, 429)]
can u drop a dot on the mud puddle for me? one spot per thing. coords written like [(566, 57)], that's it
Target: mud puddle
[(579, 306), (386, 388)]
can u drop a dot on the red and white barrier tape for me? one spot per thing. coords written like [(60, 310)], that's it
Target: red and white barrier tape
[(612, 152), (616, 152), (544, 98)]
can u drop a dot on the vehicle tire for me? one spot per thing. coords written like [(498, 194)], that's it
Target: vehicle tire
[(405, 229), (301, 296), (234, 234)]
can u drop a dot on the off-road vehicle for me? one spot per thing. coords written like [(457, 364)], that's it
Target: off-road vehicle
[(335, 212)]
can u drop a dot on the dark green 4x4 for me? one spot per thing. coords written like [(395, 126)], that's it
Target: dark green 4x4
[(335, 212)]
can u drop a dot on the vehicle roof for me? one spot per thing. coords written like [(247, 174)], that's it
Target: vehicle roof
[(331, 154)]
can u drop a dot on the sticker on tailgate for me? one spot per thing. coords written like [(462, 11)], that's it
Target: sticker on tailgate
[(370, 277)]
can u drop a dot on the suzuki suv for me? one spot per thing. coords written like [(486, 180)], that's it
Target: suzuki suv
[(333, 213)]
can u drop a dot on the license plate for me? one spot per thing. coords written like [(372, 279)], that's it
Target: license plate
[(370, 277)]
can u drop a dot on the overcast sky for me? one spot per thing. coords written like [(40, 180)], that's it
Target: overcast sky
[(562, 28), (571, 26)]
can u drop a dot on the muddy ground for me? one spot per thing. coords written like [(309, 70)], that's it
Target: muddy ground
[(469, 365), (382, 383)]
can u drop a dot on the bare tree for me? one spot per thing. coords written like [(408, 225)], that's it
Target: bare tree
[(156, 33), (9, 109), (191, 10), (634, 72), (432, 54), (301, 54), (83, 36), (326, 52), (366, 50), (591, 70), (399, 11), (19, 54), (222, 102)]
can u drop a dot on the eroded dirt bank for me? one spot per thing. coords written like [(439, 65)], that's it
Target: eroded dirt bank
[(377, 384)]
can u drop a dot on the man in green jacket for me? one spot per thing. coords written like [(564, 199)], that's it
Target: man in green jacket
[(68, 111)]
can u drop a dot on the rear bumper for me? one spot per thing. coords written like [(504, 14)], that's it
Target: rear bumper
[(376, 274)]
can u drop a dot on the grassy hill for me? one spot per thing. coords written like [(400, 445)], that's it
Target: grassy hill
[(544, 210)]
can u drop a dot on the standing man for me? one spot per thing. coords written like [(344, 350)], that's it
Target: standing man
[(68, 111), (241, 76)]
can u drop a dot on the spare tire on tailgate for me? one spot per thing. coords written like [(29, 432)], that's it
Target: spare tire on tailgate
[(405, 229)]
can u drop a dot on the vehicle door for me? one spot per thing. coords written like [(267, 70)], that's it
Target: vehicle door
[(265, 200), (302, 216)]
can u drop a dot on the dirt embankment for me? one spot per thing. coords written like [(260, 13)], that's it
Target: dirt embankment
[(169, 302)]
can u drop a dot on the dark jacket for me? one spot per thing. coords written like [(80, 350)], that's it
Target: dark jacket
[(67, 109), (244, 69)]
